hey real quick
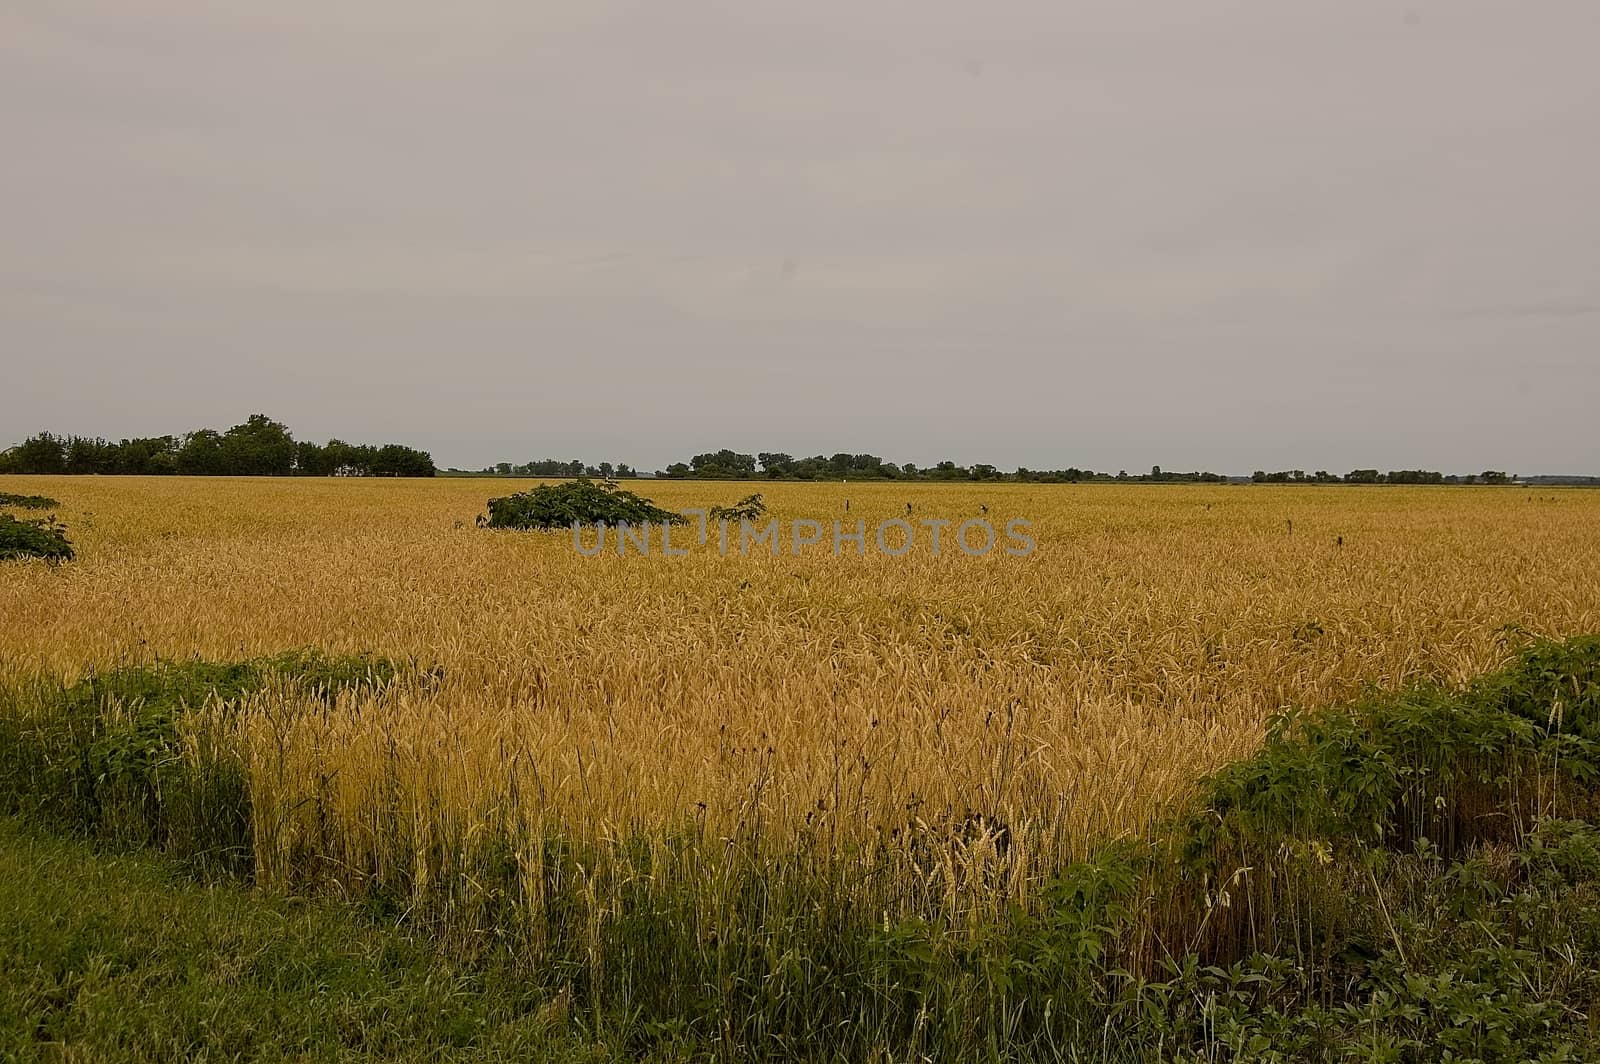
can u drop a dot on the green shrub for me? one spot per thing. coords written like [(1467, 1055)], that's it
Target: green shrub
[(748, 508), (45, 538), (581, 502), (28, 502), (1556, 687)]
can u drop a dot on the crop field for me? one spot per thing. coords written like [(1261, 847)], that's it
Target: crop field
[(1069, 693), (922, 737)]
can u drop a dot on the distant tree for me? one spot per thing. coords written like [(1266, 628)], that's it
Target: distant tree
[(1414, 476), (43, 453), (88, 456), (398, 460), (343, 459), (724, 463), (201, 454), (776, 464), (813, 468), (258, 447), (147, 455), (312, 460), (866, 466)]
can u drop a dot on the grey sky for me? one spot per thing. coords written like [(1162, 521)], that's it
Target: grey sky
[(1329, 233)]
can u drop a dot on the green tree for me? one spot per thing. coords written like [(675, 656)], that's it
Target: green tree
[(312, 460), (724, 463), (43, 453), (260, 447), (201, 454), (776, 464)]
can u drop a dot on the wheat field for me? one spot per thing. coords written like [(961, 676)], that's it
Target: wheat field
[(1064, 698)]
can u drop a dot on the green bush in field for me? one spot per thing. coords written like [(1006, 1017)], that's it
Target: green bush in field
[(748, 508), (581, 502), (45, 538), (28, 502)]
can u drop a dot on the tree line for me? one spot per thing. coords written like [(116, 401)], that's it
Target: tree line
[(728, 464), (769, 465), (1372, 476), (732, 465), (556, 467), (259, 447)]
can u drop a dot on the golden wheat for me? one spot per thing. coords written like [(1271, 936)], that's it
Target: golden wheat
[(1067, 696)]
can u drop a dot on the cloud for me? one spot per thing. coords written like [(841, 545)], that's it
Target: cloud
[(1089, 233)]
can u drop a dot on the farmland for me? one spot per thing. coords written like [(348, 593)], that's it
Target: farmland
[(587, 764)]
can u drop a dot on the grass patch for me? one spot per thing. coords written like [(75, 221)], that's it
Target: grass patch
[(112, 958)]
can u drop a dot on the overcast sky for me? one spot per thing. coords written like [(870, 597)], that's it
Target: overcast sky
[(1220, 234)]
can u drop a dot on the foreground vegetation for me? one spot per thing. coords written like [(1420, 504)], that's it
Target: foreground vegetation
[(116, 958), (1412, 876)]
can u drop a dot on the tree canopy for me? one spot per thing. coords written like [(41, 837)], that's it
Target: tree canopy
[(259, 446)]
